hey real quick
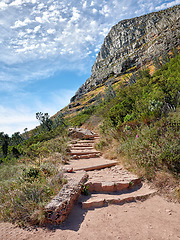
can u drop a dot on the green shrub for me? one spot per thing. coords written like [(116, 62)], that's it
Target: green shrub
[(31, 173)]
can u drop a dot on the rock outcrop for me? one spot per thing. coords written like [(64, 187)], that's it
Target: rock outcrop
[(133, 43)]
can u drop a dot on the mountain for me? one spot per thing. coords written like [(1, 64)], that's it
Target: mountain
[(133, 43)]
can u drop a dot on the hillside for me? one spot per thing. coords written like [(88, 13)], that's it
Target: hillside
[(131, 44)]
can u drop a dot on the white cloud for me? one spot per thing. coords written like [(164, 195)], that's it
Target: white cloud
[(40, 6), (3, 5), (92, 3), (20, 23), (105, 11), (85, 4), (51, 31), (53, 23), (16, 3), (21, 2), (88, 38), (104, 31), (167, 5), (94, 10), (39, 19), (75, 14), (36, 29), (52, 8)]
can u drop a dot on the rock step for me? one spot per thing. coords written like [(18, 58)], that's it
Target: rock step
[(82, 148), (85, 141), (85, 156), (95, 135), (112, 186), (84, 153), (81, 145), (91, 164), (96, 167), (103, 200)]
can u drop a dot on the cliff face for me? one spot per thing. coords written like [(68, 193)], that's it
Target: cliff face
[(133, 43)]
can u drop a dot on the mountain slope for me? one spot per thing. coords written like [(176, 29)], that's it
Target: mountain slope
[(133, 43)]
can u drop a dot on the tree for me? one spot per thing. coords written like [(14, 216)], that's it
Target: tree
[(16, 139), (26, 133), (45, 122), (59, 120), (5, 144)]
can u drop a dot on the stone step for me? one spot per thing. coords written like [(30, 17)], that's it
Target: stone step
[(102, 200), (85, 141), (96, 135), (104, 186), (82, 145), (83, 153), (81, 148), (86, 156), (91, 164)]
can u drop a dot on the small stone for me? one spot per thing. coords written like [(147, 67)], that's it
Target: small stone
[(69, 170)]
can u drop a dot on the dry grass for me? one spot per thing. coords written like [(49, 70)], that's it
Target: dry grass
[(167, 185), (93, 123), (28, 184), (164, 181)]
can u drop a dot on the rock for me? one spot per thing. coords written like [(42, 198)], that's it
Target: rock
[(64, 160), (91, 100), (74, 105), (80, 133), (69, 170), (61, 205), (133, 43)]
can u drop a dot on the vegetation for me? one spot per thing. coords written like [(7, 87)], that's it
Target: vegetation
[(82, 117), (145, 119), (24, 194), (29, 174)]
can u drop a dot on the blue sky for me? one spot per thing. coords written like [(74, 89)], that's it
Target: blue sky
[(47, 49)]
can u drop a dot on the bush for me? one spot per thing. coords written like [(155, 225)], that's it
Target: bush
[(22, 199)]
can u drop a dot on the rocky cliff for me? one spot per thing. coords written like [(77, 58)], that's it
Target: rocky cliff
[(133, 43)]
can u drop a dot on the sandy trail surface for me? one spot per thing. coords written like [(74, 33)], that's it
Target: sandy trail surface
[(153, 219)]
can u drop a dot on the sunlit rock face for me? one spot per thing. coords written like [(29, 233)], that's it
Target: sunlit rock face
[(133, 43)]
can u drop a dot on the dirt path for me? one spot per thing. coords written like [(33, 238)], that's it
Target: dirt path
[(152, 219)]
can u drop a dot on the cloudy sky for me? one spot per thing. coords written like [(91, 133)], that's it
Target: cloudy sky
[(47, 49)]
